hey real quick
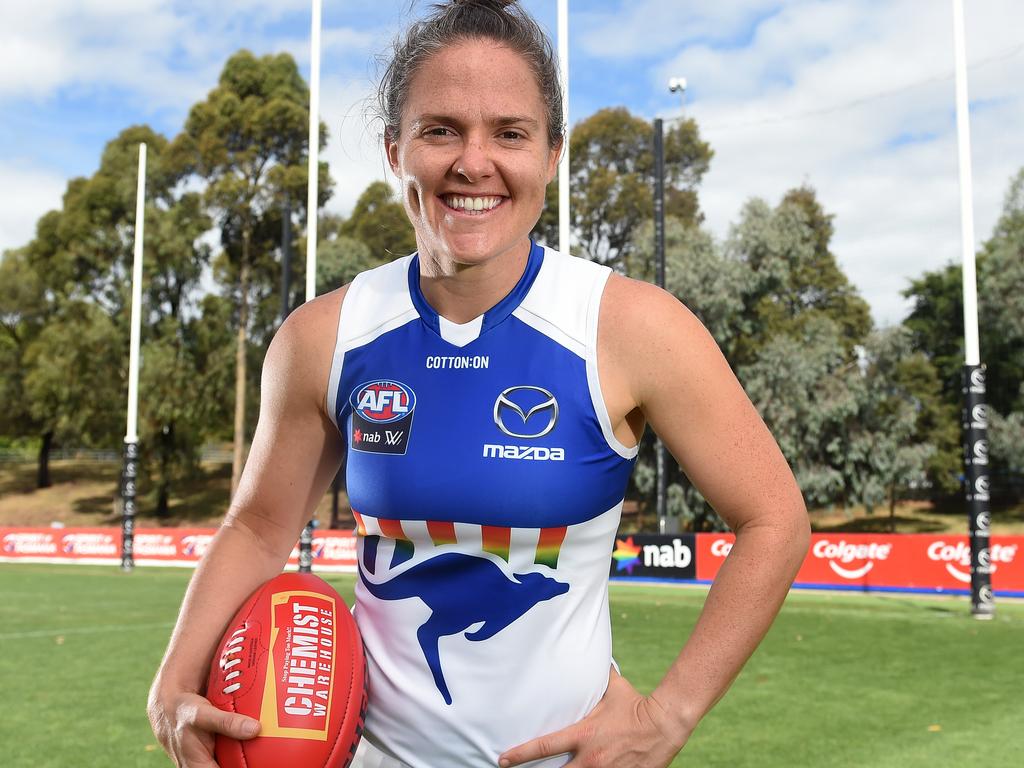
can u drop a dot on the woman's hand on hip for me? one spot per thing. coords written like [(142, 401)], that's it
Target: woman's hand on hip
[(624, 730)]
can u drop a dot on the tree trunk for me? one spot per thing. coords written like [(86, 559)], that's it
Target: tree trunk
[(892, 508), (238, 456), (163, 493), (43, 473)]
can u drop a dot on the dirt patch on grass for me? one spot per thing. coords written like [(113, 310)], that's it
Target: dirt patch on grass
[(917, 517)]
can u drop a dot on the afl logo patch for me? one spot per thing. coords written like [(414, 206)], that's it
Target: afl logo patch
[(383, 401), (382, 413)]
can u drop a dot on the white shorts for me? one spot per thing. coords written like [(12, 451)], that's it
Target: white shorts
[(368, 756)]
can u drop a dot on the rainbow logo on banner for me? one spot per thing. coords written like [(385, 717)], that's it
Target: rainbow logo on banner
[(626, 555)]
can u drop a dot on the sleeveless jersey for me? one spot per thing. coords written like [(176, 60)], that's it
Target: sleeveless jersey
[(487, 485)]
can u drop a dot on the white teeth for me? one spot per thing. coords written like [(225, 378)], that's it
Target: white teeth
[(472, 203)]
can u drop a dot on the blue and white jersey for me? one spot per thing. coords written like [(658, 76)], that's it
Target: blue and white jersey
[(487, 486)]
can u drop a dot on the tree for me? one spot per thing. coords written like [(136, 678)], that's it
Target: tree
[(79, 263), (248, 140), (699, 275), (74, 375), (339, 260), (380, 222), (936, 325), (612, 178), (801, 386), (888, 418), (794, 277), (22, 316)]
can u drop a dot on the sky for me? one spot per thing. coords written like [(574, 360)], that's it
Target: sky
[(853, 97)]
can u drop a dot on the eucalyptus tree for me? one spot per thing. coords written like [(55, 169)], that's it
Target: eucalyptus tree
[(612, 177), (794, 277), (380, 222), (936, 325), (23, 311), (248, 141)]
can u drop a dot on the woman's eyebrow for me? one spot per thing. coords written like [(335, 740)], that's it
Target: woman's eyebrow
[(515, 119), (453, 120)]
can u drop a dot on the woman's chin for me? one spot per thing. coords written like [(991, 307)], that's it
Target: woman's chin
[(474, 249)]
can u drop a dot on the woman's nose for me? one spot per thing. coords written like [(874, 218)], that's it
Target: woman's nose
[(474, 162)]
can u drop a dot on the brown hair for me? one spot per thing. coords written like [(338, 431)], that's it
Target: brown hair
[(503, 21)]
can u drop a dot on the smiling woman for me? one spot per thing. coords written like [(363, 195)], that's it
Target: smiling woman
[(473, 159), (487, 395)]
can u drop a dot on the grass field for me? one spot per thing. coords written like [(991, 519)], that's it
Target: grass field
[(841, 680)]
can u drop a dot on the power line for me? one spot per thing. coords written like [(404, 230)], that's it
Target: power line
[(1007, 54)]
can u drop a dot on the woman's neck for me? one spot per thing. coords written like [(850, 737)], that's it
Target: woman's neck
[(460, 292)]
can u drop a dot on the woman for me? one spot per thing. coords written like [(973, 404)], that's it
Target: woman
[(491, 395)]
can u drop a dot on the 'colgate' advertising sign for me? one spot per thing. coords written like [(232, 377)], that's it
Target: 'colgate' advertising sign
[(904, 562), (919, 562), (332, 550)]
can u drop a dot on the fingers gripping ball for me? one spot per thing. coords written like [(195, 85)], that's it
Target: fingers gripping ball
[(293, 659)]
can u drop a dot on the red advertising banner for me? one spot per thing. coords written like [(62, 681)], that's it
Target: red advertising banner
[(908, 561), (332, 550), (887, 562)]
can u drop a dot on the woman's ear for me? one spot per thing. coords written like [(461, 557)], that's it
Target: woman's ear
[(554, 157), (391, 148)]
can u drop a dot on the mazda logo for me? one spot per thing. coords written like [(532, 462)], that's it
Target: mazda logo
[(525, 402)]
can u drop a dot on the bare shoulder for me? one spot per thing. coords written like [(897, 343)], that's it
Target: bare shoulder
[(646, 334), (635, 305), (299, 358)]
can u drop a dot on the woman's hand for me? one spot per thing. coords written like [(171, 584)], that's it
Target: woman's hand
[(624, 730), (185, 724)]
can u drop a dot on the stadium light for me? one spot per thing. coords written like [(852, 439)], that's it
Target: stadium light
[(975, 412)]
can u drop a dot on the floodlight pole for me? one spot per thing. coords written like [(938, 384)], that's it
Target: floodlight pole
[(659, 257), (563, 164), (975, 411), (312, 211), (665, 524), (130, 470)]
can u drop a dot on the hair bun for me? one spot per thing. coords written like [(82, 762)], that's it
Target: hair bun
[(493, 4)]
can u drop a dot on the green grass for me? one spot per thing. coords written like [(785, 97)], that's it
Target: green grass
[(841, 680)]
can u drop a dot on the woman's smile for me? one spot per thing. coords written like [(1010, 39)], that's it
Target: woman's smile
[(473, 206)]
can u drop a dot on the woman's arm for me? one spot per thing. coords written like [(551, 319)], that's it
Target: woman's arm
[(656, 359), (295, 453)]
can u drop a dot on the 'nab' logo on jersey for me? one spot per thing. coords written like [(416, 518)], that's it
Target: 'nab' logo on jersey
[(382, 412)]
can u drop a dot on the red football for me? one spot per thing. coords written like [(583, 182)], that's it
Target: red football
[(293, 659)]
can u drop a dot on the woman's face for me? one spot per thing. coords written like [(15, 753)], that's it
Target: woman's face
[(472, 153)]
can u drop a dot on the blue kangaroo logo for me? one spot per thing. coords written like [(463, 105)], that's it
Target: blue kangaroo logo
[(462, 590)]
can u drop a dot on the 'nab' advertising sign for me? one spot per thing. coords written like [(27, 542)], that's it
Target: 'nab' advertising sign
[(663, 557)]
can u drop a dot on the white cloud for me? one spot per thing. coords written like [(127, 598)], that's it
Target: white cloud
[(159, 57), (651, 26), (28, 195), (856, 99), (354, 144)]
